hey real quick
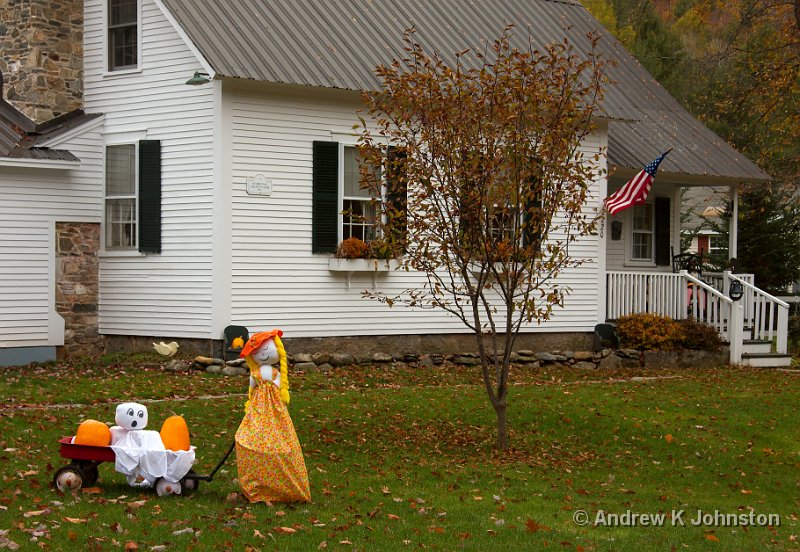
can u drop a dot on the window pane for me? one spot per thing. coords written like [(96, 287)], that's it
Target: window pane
[(120, 170), (642, 246), (123, 47), (120, 223), (643, 217), (352, 174), (358, 219), (121, 12)]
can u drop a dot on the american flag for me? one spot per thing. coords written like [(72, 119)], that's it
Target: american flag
[(636, 190)]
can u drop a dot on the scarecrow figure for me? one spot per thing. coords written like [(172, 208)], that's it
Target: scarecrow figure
[(268, 454)]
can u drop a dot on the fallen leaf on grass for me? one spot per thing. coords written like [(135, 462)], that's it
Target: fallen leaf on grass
[(385, 490), (183, 531), (76, 520), (323, 545), (669, 438), (286, 530), (392, 516), (345, 542), (745, 491), (257, 533), (92, 490), (711, 537), (130, 545), (280, 513), (36, 513)]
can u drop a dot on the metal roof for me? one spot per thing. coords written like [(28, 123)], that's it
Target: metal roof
[(338, 44), (20, 137)]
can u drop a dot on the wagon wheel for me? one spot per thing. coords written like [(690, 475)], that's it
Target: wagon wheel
[(164, 487), (68, 478), (188, 483), (89, 470)]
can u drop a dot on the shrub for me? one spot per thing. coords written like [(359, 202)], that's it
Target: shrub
[(697, 335), (381, 249), (352, 248), (649, 332), (794, 333)]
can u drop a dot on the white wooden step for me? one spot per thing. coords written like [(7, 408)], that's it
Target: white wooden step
[(756, 346), (766, 360)]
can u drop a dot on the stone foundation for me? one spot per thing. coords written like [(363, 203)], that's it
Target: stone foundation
[(41, 56), (77, 265), (359, 345)]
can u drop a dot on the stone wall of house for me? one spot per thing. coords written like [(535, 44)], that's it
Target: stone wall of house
[(77, 245), (41, 56)]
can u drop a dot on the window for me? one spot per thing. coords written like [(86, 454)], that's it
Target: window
[(121, 197), (132, 197), (358, 209), (341, 209), (642, 225), (717, 247), (123, 34)]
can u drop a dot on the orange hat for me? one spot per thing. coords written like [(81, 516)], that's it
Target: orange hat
[(256, 340)]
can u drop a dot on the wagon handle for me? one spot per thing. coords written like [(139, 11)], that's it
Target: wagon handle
[(210, 476)]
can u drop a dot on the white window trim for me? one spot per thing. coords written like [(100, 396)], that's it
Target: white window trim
[(629, 260), (349, 142), (120, 139), (107, 72)]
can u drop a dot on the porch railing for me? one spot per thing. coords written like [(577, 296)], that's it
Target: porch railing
[(678, 296), (768, 316)]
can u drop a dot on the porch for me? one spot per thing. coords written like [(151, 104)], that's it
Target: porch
[(755, 324)]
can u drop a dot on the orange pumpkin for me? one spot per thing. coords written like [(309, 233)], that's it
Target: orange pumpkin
[(175, 433), (93, 433)]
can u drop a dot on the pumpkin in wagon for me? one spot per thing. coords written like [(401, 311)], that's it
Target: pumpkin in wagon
[(93, 433), (175, 434)]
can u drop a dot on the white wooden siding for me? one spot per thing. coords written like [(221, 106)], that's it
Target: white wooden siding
[(166, 294), (31, 202), (277, 282)]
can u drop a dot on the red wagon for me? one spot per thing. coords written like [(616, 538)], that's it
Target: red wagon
[(85, 459)]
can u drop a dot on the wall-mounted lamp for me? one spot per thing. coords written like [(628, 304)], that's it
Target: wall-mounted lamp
[(736, 291), (198, 78)]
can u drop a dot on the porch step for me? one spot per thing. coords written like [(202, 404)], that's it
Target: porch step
[(756, 346), (766, 360)]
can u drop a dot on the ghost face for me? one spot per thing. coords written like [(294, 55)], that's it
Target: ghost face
[(131, 416), (266, 354)]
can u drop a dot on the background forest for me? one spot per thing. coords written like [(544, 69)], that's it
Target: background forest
[(735, 64)]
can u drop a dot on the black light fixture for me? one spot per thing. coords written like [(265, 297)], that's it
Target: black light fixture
[(198, 78), (736, 291)]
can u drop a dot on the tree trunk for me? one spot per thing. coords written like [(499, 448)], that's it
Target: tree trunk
[(502, 430)]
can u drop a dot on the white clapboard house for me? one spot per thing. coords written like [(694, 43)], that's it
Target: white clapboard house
[(219, 201)]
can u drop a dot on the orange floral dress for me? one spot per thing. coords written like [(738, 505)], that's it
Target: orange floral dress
[(268, 454)]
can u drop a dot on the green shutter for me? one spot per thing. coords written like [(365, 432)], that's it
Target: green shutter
[(150, 196), (397, 196), (325, 198), (663, 240)]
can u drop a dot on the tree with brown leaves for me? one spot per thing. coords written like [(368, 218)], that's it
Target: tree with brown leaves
[(489, 185)]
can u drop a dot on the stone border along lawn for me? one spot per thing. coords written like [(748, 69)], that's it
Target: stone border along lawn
[(580, 360)]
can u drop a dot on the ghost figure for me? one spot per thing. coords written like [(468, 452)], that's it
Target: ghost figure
[(267, 356), (140, 454)]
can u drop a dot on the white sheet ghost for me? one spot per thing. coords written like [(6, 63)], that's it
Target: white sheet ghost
[(140, 453)]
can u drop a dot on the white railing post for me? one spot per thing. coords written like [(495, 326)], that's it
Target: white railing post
[(783, 329), (684, 303), (736, 333)]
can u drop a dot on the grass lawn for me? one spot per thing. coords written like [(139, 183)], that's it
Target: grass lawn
[(402, 460)]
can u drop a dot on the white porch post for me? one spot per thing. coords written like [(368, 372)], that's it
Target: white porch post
[(733, 230)]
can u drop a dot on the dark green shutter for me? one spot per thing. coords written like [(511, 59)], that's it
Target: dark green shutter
[(397, 195), (150, 196), (663, 240), (325, 198)]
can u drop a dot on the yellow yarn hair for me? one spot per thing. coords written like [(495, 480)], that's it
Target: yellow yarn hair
[(255, 372), (284, 370)]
